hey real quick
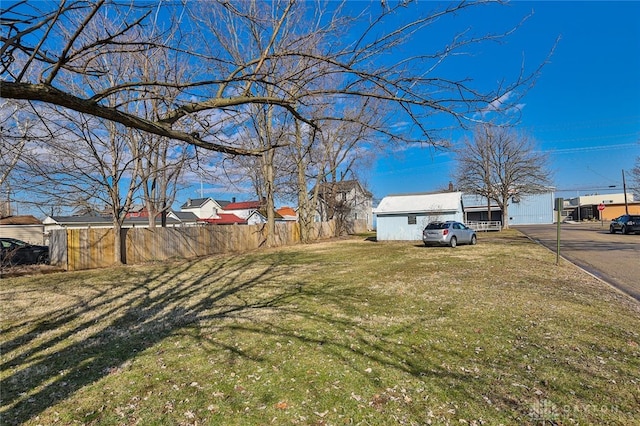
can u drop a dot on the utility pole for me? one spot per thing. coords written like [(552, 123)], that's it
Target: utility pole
[(624, 188), (8, 205)]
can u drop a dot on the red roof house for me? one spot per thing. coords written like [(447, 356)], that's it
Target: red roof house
[(224, 219)]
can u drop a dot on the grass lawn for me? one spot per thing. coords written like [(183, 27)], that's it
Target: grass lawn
[(334, 333)]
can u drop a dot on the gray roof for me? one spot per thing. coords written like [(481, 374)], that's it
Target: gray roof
[(103, 220), (199, 202), (194, 203), (418, 203), (185, 216)]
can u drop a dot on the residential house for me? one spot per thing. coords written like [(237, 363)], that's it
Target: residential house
[(288, 213), (403, 217), (347, 201), (185, 218), (244, 209), (224, 219), (204, 208)]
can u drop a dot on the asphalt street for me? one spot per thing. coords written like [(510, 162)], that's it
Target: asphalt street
[(614, 258)]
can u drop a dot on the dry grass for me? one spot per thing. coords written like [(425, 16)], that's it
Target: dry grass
[(342, 332)]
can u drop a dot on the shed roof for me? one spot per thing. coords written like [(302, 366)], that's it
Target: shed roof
[(419, 203)]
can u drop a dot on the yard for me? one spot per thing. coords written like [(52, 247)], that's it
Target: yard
[(341, 332)]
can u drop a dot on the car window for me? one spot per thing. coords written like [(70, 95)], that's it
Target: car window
[(437, 225), (9, 244)]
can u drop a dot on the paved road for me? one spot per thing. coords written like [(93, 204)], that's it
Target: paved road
[(614, 258)]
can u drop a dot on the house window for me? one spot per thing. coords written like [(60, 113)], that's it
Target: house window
[(411, 219)]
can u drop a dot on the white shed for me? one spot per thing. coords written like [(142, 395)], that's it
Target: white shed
[(403, 217)]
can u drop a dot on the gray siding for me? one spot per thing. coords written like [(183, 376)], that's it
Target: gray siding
[(531, 210)]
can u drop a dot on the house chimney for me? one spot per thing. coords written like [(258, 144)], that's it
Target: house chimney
[(188, 202), (450, 186), (233, 199)]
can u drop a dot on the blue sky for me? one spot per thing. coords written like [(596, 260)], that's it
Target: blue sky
[(584, 109)]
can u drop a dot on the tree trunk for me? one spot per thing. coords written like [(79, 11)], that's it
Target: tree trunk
[(117, 241), (505, 216), (267, 166)]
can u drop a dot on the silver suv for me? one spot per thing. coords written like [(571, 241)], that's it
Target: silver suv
[(448, 233)]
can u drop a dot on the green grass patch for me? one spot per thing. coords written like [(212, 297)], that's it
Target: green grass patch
[(343, 332)]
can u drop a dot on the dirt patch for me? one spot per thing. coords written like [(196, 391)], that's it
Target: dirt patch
[(22, 270)]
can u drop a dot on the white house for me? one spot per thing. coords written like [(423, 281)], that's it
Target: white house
[(244, 209), (403, 217), (203, 208), (346, 201), (288, 214)]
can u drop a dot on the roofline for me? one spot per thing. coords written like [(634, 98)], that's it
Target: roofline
[(397, 212), (408, 194)]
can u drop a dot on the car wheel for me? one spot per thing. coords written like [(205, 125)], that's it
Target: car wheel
[(474, 240), (42, 259), (453, 242), (624, 229), (612, 230)]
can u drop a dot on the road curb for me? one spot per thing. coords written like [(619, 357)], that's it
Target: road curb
[(587, 270)]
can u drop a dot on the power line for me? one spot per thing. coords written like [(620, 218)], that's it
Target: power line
[(591, 148)]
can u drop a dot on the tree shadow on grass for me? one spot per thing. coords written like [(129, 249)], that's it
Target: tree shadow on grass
[(48, 360)]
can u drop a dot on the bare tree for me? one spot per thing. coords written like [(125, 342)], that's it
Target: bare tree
[(21, 136), (502, 166), (635, 178), (44, 49), (289, 57), (14, 133), (92, 163)]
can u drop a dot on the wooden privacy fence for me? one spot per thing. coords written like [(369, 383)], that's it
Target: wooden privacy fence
[(76, 249)]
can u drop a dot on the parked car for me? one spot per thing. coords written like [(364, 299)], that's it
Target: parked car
[(626, 223), (16, 252), (449, 233)]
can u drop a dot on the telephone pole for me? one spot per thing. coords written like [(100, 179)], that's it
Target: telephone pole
[(624, 188)]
